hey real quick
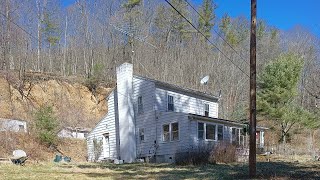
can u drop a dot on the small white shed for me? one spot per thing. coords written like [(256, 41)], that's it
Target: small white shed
[(13, 125), (77, 132)]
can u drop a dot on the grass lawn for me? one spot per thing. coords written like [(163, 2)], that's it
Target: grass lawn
[(265, 170)]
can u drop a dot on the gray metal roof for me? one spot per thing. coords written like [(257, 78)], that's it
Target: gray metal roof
[(179, 88)]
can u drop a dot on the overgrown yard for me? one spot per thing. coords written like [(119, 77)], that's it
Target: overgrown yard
[(266, 170)]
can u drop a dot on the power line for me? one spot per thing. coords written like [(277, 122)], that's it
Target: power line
[(206, 38), (19, 26), (217, 33)]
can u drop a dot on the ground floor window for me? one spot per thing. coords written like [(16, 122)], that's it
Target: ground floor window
[(141, 134), (237, 136), (170, 132), (210, 131)]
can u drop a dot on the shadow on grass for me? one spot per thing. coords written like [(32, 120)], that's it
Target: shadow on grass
[(265, 170)]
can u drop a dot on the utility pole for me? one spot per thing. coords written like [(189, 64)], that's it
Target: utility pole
[(253, 76)]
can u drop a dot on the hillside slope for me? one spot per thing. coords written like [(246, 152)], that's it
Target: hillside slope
[(73, 103)]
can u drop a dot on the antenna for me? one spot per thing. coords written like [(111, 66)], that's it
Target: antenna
[(132, 33), (219, 95), (205, 80)]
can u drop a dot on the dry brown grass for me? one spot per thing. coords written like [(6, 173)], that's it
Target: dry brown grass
[(76, 149), (278, 168)]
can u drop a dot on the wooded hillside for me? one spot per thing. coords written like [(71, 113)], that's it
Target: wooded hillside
[(90, 38)]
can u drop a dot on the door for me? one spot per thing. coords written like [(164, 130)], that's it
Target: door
[(106, 146)]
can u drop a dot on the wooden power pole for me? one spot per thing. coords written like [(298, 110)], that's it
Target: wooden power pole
[(253, 76)]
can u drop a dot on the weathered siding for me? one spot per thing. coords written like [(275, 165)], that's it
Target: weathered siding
[(172, 147), (106, 125), (146, 119), (184, 103)]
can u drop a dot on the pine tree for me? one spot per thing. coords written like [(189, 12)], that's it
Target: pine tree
[(277, 89), (180, 26), (46, 125), (206, 21)]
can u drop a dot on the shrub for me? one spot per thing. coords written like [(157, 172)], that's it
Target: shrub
[(46, 125), (197, 156), (223, 152), (97, 148)]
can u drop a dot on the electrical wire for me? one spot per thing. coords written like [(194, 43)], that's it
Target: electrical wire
[(207, 38)]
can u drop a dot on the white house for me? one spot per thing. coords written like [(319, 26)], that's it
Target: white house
[(13, 125), (151, 119), (77, 132)]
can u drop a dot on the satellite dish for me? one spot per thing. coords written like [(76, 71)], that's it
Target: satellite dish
[(204, 80)]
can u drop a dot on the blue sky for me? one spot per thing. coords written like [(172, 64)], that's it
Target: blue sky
[(283, 14)]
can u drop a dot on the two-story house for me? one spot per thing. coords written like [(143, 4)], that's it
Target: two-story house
[(151, 119)]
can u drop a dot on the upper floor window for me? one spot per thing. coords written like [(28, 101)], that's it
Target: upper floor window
[(140, 105), (170, 132), (170, 103), (206, 110)]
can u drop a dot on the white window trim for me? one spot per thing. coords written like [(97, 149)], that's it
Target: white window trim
[(238, 141), (162, 133), (204, 109), (144, 137), (169, 94), (142, 111), (170, 132), (204, 131), (204, 138)]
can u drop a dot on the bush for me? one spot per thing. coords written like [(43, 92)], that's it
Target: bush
[(223, 152), (97, 148), (197, 156), (46, 126)]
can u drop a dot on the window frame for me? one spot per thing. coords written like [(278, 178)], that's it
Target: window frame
[(170, 132), (141, 134), (206, 109), (215, 132), (237, 134), (140, 105), (222, 133), (163, 133), (168, 102), (205, 129), (21, 128)]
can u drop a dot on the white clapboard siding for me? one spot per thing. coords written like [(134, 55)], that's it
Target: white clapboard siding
[(106, 125), (172, 147), (146, 119), (184, 103)]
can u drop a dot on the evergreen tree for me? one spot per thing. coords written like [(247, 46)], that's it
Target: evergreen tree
[(234, 30), (206, 22), (180, 26), (277, 89), (46, 125)]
